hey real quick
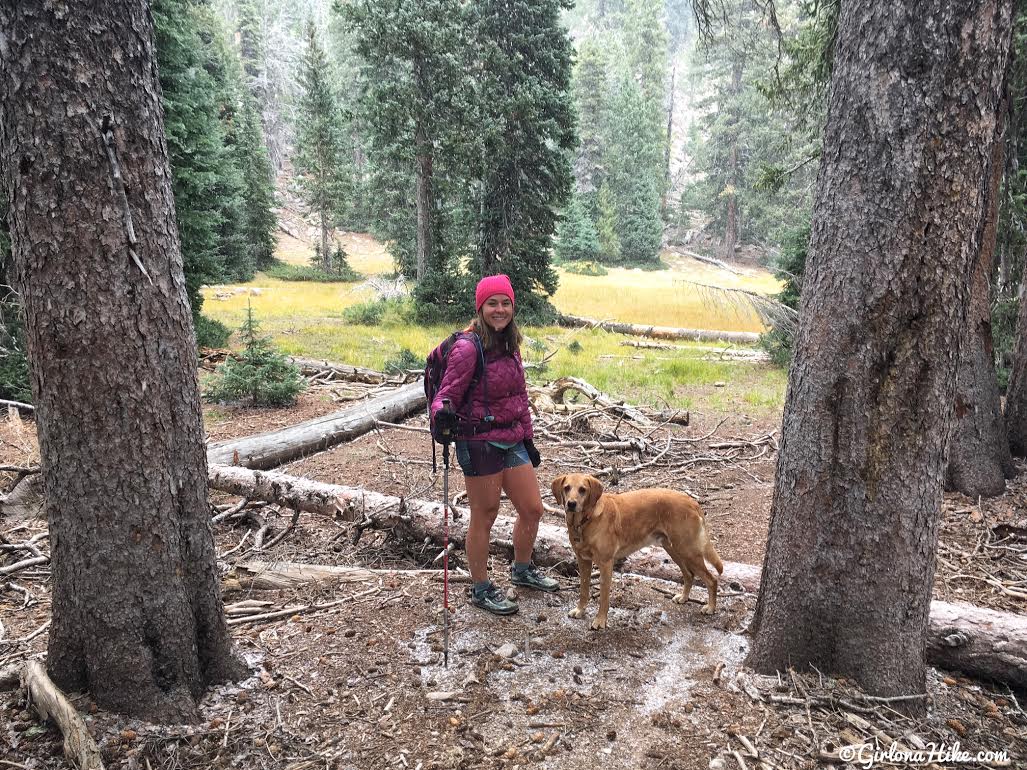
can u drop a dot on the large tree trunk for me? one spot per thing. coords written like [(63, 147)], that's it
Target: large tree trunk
[(979, 459), (897, 226), (137, 613), (962, 637)]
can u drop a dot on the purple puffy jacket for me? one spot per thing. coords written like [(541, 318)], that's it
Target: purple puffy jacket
[(507, 393)]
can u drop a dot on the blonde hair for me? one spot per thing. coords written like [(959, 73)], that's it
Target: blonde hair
[(509, 340)]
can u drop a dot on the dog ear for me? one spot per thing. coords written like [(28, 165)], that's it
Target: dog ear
[(558, 489), (595, 491)]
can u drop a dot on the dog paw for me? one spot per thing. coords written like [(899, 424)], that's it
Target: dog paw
[(708, 610), (577, 612), (679, 598), (598, 624)]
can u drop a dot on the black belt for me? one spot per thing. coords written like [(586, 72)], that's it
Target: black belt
[(486, 427)]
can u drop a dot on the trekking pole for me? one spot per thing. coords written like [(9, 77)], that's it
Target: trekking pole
[(445, 546)]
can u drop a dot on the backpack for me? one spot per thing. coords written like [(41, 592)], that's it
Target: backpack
[(435, 369)]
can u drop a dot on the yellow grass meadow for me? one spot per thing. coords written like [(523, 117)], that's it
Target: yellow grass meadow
[(305, 318)]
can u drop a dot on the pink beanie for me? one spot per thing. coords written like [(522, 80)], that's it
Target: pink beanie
[(492, 284)]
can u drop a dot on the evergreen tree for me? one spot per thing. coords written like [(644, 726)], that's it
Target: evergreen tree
[(195, 142), (606, 225), (418, 99), (576, 236), (636, 173), (591, 93), (260, 374), (742, 134), (640, 226), (259, 220), (318, 160), (527, 130)]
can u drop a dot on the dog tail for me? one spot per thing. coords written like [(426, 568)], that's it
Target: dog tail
[(713, 557)]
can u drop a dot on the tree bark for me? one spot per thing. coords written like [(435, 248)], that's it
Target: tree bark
[(659, 332), (962, 637), (897, 225), (137, 612), (269, 450), (422, 149), (979, 459)]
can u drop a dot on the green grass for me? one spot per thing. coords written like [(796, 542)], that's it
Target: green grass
[(309, 319)]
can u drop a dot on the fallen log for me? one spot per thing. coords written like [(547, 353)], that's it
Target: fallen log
[(312, 366), (962, 637), (50, 703), (659, 332), (274, 576), (558, 390), (269, 450)]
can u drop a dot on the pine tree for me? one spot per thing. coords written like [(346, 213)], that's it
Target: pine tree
[(528, 134), (591, 93), (259, 220), (606, 225), (418, 102), (636, 173), (576, 235), (640, 226), (318, 158), (260, 374), (195, 142)]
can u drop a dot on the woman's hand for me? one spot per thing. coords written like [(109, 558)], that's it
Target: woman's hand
[(533, 455)]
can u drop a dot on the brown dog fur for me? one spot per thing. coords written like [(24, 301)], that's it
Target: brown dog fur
[(606, 527)]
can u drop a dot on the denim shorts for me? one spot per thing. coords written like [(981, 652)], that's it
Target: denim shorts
[(480, 458)]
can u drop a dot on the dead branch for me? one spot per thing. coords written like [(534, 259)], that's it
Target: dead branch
[(51, 703)]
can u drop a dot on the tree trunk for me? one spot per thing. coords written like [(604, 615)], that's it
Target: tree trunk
[(731, 227), (669, 141), (962, 637), (269, 450), (137, 612), (979, 459), (422, 148), (897, 225)]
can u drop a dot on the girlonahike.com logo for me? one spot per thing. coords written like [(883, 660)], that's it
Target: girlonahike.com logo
[(867, 755)]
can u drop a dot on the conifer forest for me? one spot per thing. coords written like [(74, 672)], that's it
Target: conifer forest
[(457, 384)]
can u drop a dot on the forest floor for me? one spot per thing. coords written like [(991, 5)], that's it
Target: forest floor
[(362, 684)]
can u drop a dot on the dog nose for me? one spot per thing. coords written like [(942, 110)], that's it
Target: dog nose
[(572, 504)]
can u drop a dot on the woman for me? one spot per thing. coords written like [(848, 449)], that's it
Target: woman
[(490, 418)]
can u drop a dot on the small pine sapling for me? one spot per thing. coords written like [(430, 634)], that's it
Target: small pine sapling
[(259, 375)]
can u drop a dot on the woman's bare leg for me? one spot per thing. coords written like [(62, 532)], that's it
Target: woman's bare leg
[(521, 486), (483, 496)]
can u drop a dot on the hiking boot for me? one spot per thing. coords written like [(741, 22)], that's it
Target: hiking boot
[(493, 600), (530, 577)]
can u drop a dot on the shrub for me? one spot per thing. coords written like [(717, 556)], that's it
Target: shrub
[(211, 333), (260, 375), (381, 312), (286, 272), (585, 268), (404, 361)]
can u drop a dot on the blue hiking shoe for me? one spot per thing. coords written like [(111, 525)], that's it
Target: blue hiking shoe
[(492, 599), (530, 577)]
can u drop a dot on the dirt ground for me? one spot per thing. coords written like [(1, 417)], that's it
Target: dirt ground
[(361, 684)]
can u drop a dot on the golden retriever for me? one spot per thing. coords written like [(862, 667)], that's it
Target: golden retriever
[(606, 527)]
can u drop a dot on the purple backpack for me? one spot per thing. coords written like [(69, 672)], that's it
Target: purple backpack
[(435, 369)]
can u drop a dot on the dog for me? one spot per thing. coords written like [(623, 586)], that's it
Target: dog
[(606, 527)]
